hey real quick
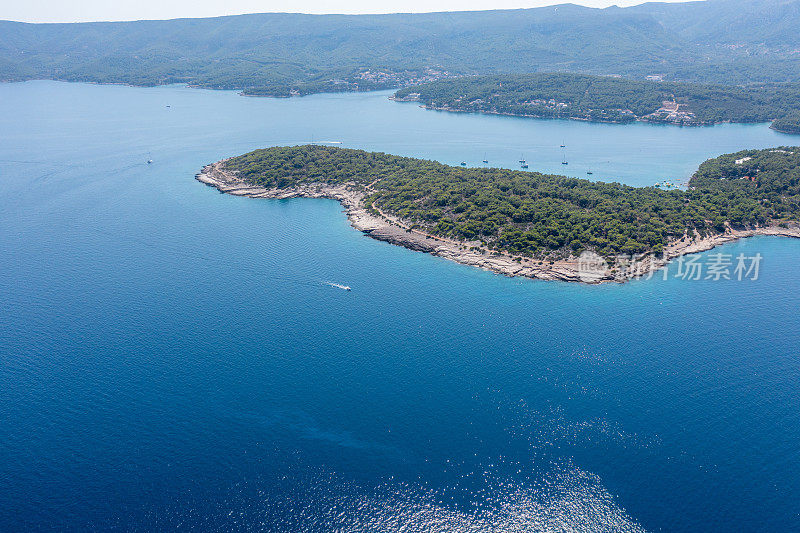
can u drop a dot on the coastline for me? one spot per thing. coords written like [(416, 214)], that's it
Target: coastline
[(784, 131), (643, 119), (244, 93), (389, 229)]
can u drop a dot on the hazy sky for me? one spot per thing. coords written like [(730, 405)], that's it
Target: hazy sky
[(87, 10)]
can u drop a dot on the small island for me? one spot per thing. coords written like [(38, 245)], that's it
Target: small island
[(611, 99), (525, 223)]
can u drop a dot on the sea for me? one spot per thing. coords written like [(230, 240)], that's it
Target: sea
[(173, 358)]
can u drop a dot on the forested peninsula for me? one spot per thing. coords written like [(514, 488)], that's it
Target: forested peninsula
[(526, 223), (612, 99), (788, 124)]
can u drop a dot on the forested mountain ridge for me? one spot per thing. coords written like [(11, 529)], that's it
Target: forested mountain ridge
[(725, 22), (600, 98), (280, 54)]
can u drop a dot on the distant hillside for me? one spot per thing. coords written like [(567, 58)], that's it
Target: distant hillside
[(605, 99), (765, 23), (278, 54)]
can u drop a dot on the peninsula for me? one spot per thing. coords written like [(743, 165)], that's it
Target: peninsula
[(526, 223), (611, 99)]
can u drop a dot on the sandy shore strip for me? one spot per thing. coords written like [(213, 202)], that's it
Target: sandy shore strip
[(386, 228)]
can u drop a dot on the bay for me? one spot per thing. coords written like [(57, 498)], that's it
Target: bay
[(172, 358)]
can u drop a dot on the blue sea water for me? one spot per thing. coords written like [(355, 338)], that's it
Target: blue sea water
[(171, 357)]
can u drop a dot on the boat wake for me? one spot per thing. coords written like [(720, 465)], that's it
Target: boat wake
[(338, 286)]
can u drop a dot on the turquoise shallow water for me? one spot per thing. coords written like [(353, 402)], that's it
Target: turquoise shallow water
[(172, 357)]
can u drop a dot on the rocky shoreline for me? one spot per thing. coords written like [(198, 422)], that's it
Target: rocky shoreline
[(389, 229)]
